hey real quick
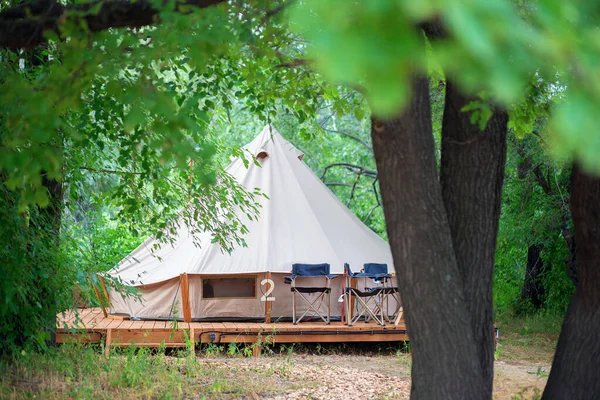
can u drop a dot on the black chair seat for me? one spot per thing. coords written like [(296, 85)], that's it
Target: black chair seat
[(359, 293), (311, 289), (382, 290)]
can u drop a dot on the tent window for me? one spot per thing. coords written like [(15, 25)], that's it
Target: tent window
[(227, 288)]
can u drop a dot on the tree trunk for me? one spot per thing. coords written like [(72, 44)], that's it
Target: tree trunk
[(52, 214), (575, 370), (445, 362), (46, 226), (471, 175), (533, 286), (571, 261)]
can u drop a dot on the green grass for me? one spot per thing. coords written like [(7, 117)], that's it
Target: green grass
[(528, 338), (83, 372), (218, 371)]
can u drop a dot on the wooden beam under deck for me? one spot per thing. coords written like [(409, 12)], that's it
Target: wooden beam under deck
[(93, 327)]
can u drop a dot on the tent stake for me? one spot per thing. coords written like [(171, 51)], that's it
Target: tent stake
[(185, 298)]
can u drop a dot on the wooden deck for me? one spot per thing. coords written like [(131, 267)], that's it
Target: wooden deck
[(90, 326)]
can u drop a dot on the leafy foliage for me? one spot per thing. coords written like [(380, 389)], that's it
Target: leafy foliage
[(137, 124), (535, 212), (34, 284), (494, 46)]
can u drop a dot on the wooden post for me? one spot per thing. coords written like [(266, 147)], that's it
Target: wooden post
[(108, 342), (101, 300), (101, 278), (268, 304), (185, 297)]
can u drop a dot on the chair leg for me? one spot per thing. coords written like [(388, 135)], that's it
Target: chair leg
[(381, 309), (328, 308), (294, 308), (311, 307), (347, 310), (399, 317), (363, 309), (398, 310)]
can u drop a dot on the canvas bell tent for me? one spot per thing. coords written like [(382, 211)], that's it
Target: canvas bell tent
[(301, 221)]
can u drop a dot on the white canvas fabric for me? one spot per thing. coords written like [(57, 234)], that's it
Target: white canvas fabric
[(302, 221)]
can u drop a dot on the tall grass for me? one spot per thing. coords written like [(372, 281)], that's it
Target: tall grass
[(83, 372)]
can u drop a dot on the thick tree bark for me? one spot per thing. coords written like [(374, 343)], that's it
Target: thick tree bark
[(445, 362), (24, 25), (471, 175), (51, 215), (571, 261), (533, 286), (575, 371)]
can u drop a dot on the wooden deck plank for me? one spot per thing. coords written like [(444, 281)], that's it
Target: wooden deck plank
[(99, 322), (229, 326), (200, 326), (80, 312), (69, 316), (86, 317), (180, 325), (162, 324), (283, 326), (195, 325), (126, 324), (114, 324), (137, 325), (152, 333), (242, 326), (92, 319), (148, 324), (219, 326)]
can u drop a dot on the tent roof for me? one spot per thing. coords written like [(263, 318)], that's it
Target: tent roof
[(301, 221)]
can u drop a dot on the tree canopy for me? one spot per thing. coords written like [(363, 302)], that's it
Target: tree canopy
[(123, 106)]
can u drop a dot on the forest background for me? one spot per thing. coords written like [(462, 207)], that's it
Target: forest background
[(110, 135)]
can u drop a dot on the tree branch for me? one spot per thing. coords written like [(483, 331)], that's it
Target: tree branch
[(24, 25), (352, 168), (337, 184), (277, 10), (358, 174), (541, 179), (110, 171), (295, 62), (365, 144), (368, 217)]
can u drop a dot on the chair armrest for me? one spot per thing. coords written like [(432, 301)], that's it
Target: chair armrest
[(331, 276), (379, 276), (289, 279), (371, 276)]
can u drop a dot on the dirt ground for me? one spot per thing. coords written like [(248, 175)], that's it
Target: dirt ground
[(348, 377), (297, 371)]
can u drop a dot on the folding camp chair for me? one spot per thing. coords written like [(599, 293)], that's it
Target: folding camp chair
[(311, 270), (371, 302)]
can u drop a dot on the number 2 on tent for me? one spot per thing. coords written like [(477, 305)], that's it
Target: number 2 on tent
[(271, 284)]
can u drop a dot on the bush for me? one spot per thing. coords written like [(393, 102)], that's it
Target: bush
[(35, 284)]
